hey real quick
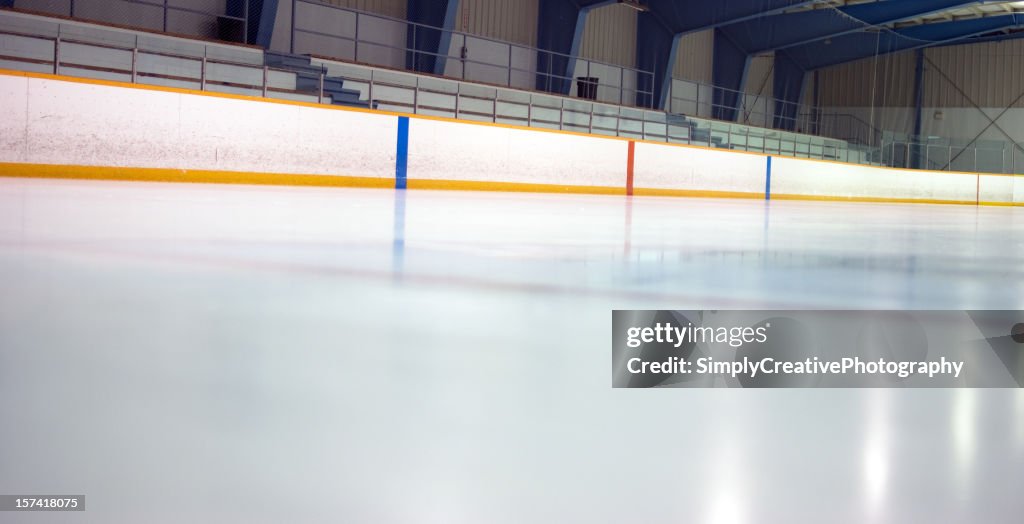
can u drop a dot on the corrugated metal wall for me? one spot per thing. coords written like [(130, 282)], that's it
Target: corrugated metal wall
[(392, 8), (760, 75), (610, 35), (989, 74), (508, 20), (694, 57), (890, 78), (807, 98)]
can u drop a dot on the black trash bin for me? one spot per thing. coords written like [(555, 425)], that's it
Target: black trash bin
[(586, 87)]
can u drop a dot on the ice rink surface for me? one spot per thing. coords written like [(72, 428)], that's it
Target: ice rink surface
[(203, 353)]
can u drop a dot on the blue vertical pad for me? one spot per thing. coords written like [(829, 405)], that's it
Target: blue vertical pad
[(402, 154)]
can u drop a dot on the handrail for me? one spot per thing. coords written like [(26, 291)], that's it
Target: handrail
[(462, 33), (166, 7), (550, 74)]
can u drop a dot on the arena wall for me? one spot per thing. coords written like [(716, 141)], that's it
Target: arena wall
[(69, 127)]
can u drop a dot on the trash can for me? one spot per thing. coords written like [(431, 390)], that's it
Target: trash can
[(586, 87)]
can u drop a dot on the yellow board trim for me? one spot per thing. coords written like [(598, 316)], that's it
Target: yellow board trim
[(1003, 204), (202, 176), (884, 200), (521, 187), (694, 193)]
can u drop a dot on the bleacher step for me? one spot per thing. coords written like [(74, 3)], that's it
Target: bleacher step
[(308, 78)]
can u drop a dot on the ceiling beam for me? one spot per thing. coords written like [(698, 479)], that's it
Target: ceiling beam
[(793, 29), (688, 16), (856, 46)]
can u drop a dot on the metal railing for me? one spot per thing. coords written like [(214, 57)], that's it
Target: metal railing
[(232, 24), (342, 33), (140, 65), (943, 154), (707, 101), (408, 92)]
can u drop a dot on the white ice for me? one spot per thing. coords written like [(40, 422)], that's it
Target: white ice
[(204, 353)]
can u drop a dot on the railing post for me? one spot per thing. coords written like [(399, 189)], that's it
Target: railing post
[(561, 114), (266, 73), (320, 95), (355, 58), (202, 73), (529, 112), (510, 65), (416, 96), (548, 77), (56, 54), (245, 14), (369, 93), (622, 82), (291, 43), (668, 109), (135, 62), (550, 71), (458, 90), (591, 117), (165, 16)]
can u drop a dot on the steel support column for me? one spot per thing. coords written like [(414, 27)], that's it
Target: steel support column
[(729, 75), (560, 25), (787, 88), (426, 43), (656, 49)]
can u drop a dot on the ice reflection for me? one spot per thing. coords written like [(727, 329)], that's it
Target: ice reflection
[(726, 508), (964, 423), (726, 496), (1020, 422), (876, 453), (398, 242)]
